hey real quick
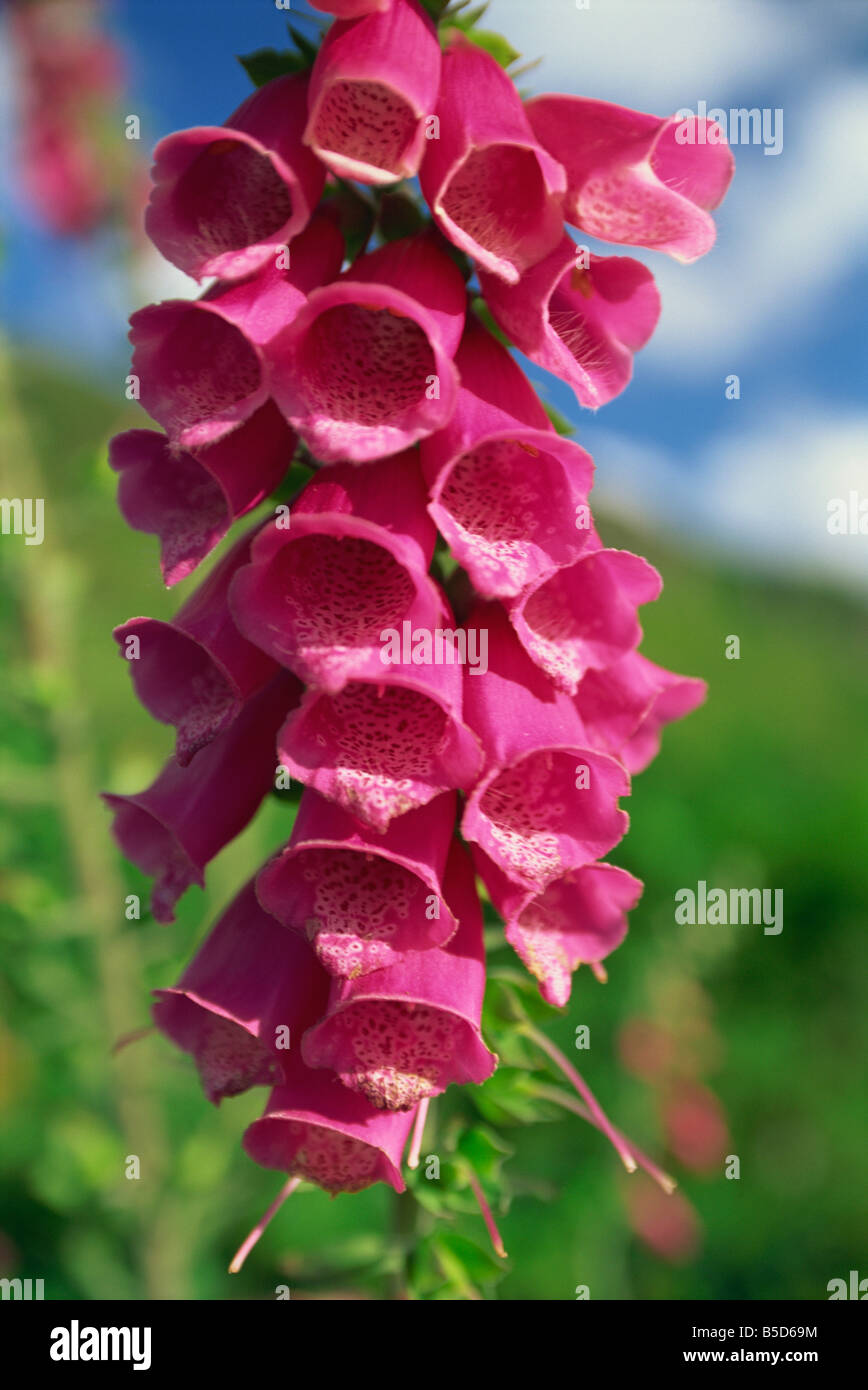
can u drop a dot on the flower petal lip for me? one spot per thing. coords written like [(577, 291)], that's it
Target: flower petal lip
[(316, 595), (197, 670), (582, 325), (445, 984), (200, 363), (317, 1129), (248, 978), (630, 179), (580, 916), (175, 827), (487, 151), (415, 843), (189, 501), (625, 706), (377, 749), (374, 81), (584, 616), (333, 370), (225, 198), (504, 487)]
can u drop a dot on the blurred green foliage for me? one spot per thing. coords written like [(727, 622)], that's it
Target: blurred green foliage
[(766, 786)]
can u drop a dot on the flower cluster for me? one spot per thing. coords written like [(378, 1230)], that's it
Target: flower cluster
[(349, 972)]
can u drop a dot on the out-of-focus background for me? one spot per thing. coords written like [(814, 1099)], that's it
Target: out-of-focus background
[(745, 421)]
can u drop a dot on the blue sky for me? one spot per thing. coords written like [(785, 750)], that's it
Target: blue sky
[(780, 300)]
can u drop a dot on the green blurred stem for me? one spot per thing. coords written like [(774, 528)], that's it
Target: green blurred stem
[(48, 593)]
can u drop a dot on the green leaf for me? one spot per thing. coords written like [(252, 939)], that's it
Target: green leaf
[(560, 422), (485, 1151), (268, 63), (480, 1266), (500, 49)]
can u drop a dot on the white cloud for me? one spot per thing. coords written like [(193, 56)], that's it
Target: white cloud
[(761, 492)]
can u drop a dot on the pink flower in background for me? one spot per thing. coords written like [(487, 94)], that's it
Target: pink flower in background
[(429, 636)]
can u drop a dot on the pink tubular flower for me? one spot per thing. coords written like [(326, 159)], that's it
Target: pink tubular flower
[(200, 362), (644, 180), (315, 1128), (197, 671), (546, 803), (227, 198), (365, 368), (403, 1034), (190, 500), (506, 490), (579, 917), (384, 744), (374, 81), (353, 561), (584, 325), (247, 996), (584, 616), (492, 188), (362, 898), (176, 826), (625, 707)]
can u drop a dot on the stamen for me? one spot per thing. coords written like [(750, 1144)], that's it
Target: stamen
[(247, 1245), (576, 1107), (603, 1123), (487, 1216), (418, 1131)]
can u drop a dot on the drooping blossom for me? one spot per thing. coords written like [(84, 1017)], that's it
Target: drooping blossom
[(364, 899), (244, 1001), (583, 323), (492, 188), (189, 501), (350, 560), (374, 83), (197, 671), (365, 367), (200, 363), (227, 199), (174, 828), (508, 494), (633, 178), (406, 1032)]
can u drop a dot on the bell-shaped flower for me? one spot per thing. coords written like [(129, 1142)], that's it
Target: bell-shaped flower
[(547, 801), (385, 744), (508, 494), (176, 826), (633, 178), (581, 322), (492, 188), (363, 898), (200, 363), (579, 918), (405, 1033), (315, 1128), (189, 501), (584, 617), (365, 368), (197, 670), (373, 84), (350, 560), (625, 707), (244, 1001), (227, 198)]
